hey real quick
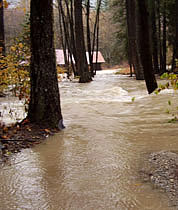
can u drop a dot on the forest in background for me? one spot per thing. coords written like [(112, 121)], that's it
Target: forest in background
[(113, 41)]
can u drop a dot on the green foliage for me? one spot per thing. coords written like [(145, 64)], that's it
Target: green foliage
[(173, 120), (133, 99), (172, 82), (167, 111), (169, 103), (117, 72)]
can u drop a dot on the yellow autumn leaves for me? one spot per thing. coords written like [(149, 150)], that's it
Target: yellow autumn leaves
[(14, 73), (5, 4), (20, 45)]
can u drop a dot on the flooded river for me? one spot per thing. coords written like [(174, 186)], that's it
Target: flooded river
[(94, 163)]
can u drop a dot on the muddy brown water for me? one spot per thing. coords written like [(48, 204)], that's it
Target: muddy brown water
[(94, 163)]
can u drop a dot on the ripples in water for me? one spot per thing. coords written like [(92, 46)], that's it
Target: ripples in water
[(94, 162)]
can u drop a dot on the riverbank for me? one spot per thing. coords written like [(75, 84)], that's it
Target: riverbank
[(20, 136), (161, 170)]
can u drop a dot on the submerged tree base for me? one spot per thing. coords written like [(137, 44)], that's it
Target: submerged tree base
[(21, 136), (85, 77)]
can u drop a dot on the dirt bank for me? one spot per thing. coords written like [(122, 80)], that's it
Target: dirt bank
[(161, 170), (20, 136)]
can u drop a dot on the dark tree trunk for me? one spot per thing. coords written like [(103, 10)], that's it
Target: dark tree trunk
[(44, 107), (88, 37), (154, 38), (129, 48), (70, 28), (97, 43), (175, 42), (173, 67), (132, 39), (72, 32), (160, 37), (164, 39), (81, 61), (2, 36), (63, 42), (97, 31), (176, 48), (70, 45), (144, 46)]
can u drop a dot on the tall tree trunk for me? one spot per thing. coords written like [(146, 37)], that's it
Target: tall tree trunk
[(175, 42), (173, 67), (69, 44), (160, 37), (144, 46), (176, 50), (97, 43), (71, 28), (2, 36), (132, 39), (63, 42), (44, 107), (81, 62), (129, 48), (154, 38), (97, 31), (164, 39), (88, 36), (72, 47)]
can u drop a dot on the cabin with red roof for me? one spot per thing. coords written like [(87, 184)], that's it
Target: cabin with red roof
[(97, 66)]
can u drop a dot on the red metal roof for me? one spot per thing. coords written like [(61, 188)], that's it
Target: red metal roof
[(60, 57), (100, 58)]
